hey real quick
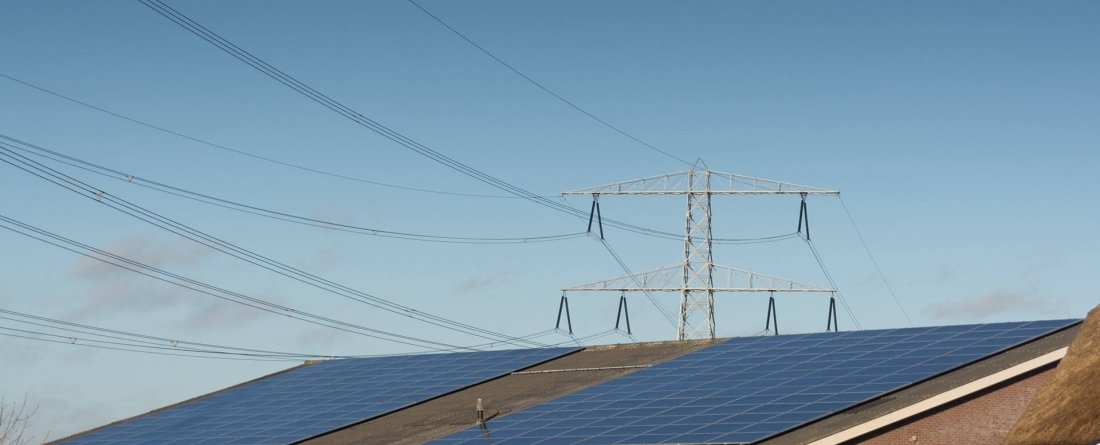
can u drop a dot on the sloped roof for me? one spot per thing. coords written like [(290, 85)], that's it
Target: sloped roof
[(743, 390), (310, 400), (737, 390), (872, 416), (518, 390)]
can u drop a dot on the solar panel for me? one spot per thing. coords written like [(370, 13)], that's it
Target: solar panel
[(745, 389), (315, 399)]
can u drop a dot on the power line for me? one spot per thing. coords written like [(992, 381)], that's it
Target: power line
[(274, 73), (217, 244), (766, 239), (175, 133), (197, 286), (829, 277), (259, 211), (151, 344), (220, 356), (242, 55), (245, 153), (877, 269), (100, 346), (91, 252), (192, 234), (145, 347), (580, 341), (267, 213), (148, 340), (656, 303), (543, 88), (358, 118)]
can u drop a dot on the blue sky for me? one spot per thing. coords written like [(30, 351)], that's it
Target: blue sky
[(962, 137)]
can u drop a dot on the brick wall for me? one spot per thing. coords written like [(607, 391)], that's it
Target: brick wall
[(983, 418)]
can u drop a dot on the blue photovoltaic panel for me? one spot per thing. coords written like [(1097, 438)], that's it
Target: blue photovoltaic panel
[(315, 399), (745, 389)]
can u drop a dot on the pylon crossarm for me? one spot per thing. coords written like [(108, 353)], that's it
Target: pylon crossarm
[(738, 280), (670, 279), (721, 184), (656, 279)]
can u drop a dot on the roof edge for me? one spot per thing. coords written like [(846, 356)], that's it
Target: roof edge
[(1072, 326), (944, 398)]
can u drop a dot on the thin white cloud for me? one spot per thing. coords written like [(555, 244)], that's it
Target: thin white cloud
[(114, 292), (472, 284), (222, 313), (994, 303), (479, 283), (1037, 261), (866, 282), (947, 274), (322, 260), (110, 289), (147, 250), (314, 338)]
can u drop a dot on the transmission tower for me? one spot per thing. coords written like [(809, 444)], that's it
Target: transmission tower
[(697, 278)]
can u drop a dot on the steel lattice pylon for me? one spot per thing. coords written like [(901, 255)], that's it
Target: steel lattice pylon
[(698, 262), (697, 271)]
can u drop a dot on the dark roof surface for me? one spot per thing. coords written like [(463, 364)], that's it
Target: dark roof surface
[(309, 400), (456, 411), (746, 389), (926, 389), (778, 389)]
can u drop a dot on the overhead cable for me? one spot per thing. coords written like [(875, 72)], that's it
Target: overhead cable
[(130, 349), (362, 120), (766, 239), (829, 277), (37, 169), (259, 211), (197, 286), (245, 153), (877, 269), (148, 340), (656, 303), (81, 334), (543, 88)]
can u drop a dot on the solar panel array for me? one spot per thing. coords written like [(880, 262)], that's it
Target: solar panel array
[(745, 389), (314, 399)]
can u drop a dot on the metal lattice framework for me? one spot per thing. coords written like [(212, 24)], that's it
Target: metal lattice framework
[(670, 279), (696, 276), (696, 180)]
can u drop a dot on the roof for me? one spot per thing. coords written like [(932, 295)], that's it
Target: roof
[(774, 389), (869, 417), (310, 400), (518, 390), (1067, 407), (744, 390)]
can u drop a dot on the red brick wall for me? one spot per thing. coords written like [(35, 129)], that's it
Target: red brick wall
[(984, 418)]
